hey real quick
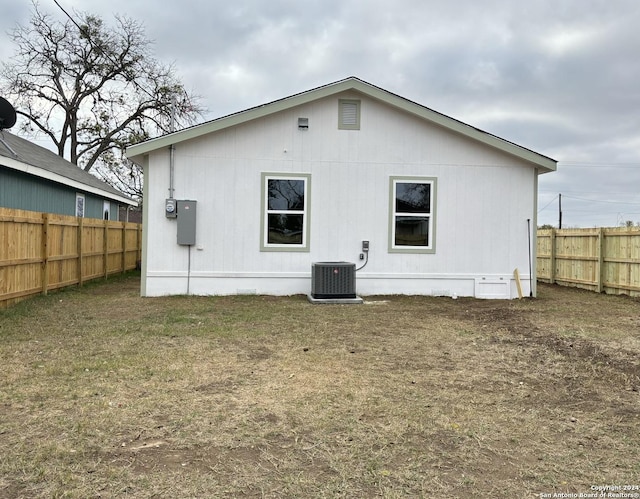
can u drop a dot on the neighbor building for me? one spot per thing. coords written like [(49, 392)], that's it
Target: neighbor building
[(36, 179)]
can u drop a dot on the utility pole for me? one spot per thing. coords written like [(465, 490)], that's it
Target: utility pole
[(559, 211)]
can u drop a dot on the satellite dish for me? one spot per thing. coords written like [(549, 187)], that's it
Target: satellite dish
[(7, 114)]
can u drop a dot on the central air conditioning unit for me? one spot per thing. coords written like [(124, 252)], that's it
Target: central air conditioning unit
[(333, 280)]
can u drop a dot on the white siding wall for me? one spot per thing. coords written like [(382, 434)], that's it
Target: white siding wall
[(484, 198)]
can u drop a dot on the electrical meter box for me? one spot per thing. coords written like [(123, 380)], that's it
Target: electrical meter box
[(186, 211), (170, 208)]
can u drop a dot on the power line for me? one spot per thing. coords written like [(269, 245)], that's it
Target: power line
[(86, 33), (588, 192), (602, 201), (72, 20), (578, 164), (547, 205), (573, 210)]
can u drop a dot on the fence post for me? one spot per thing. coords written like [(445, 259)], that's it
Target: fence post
[(600, 267), (124, 247), (139, 246), (79, 240), (552, 257), (106, 249), (45, 253)]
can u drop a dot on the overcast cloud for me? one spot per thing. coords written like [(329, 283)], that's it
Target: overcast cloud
[(559, 77)]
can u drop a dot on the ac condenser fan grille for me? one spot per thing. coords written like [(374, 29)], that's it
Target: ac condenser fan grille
[(333, 280)]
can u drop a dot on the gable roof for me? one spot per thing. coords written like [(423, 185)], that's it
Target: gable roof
[(40, 162), (544, 163)]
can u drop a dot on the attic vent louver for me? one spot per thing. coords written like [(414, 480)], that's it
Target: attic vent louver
[(349, 114)]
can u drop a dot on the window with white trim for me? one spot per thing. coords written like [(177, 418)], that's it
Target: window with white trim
[(412, 216), (348, 114), (285, 212), (79, 205)]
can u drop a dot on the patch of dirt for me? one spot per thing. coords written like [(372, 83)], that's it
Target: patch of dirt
[(227, 385), (256, 353), (159, 456), (509, 323)]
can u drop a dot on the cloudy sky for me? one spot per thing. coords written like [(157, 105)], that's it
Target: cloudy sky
[(561, 77)]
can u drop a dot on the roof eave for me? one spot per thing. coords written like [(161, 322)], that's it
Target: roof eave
[(43, 173), (137, 152), (460, 127)]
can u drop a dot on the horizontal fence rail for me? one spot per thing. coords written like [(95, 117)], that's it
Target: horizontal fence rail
[(605, 260), (40, 252)]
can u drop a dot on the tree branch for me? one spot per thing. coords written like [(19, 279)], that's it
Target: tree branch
[(93, 89)]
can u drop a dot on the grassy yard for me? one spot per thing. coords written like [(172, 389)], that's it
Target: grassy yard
[(106, 394)]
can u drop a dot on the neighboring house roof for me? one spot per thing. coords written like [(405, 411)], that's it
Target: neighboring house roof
[(40, 162), (543, 163)]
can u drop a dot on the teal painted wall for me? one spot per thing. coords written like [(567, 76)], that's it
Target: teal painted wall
[(25, 192), (115, 209), (92, 207)]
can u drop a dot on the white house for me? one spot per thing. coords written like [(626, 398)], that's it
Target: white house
[(445, 208)]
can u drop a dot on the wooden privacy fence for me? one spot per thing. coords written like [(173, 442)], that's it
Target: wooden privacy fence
[(40, 252), (600, 259)]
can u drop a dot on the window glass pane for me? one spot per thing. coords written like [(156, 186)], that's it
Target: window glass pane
[(285, 194), (412, 231), (285, 229), (79, 205), (413, 197)]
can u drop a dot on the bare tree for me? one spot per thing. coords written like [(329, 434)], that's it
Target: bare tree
[(93, 90)]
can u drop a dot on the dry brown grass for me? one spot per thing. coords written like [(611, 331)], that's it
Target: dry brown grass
[(105, 394)]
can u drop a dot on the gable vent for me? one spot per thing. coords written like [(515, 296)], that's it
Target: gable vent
[(349, 115)]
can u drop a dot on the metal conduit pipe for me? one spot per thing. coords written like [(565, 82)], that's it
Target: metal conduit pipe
[(172, 156)]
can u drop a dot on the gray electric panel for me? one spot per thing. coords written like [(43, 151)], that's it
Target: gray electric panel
[(186, 222)]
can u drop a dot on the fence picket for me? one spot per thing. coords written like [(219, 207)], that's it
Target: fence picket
[(40, 252), (600, 259)]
